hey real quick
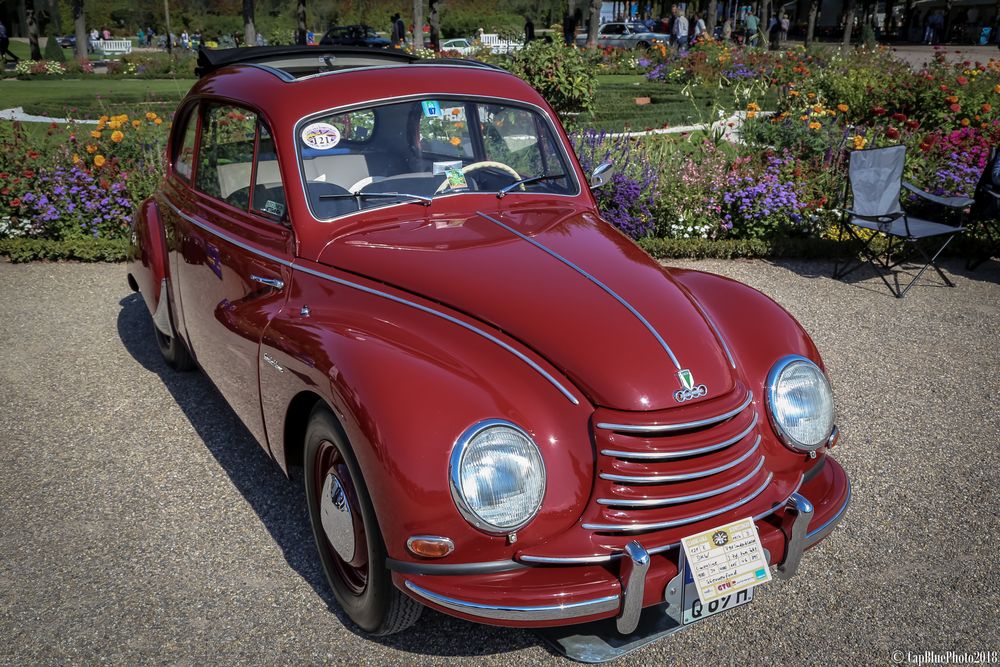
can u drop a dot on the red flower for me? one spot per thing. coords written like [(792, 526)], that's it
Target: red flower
[(899, 117), (944, 88), (956, 107), (32, 155), (5, 192), (29, 173), (892, 133), (962, 81), (879, 111), (913, 124), (3, 174), (15, 203)]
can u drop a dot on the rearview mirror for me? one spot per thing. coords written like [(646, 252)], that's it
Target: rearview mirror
[(601, 176)]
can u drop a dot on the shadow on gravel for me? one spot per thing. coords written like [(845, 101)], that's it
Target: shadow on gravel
[(867, 279), (280, 502)]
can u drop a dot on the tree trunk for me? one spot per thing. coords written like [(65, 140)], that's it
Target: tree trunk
[(848, 22), (887, 23), (300, 19), (169, 36), (418, 24), (811, 26), (908, 20), (249, 30), (946, 34), (593, 23), (435, 21), (80, 28), (713, 17), (36, 53), (22, 19)]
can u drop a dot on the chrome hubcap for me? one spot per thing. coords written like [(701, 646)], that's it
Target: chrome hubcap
[(335, 516)]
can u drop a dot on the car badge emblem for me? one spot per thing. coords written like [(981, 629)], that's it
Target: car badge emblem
[(688, 389)]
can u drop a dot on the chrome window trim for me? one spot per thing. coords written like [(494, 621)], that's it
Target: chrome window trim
[(673, 523), (628, 306), (664, 456), (514, 613), (455, 476), (770, 389), (665, 428), (661, 502), (374, 292), (660, 479), (383, 101)]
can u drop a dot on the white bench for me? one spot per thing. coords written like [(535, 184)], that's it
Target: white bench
[(497, 45), (114, 46)]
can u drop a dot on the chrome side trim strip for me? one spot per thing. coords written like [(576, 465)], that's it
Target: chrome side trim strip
[(665, 428), (718, 334), (391, 297), (452, 569), (660, 502), (662, 456), (814, 536), (636, 527), (595, 281), (659, 479), (511, 613)]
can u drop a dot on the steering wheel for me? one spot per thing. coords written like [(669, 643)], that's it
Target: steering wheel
[(482, 165)]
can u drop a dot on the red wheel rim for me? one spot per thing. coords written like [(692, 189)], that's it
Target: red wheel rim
[(353, 573)]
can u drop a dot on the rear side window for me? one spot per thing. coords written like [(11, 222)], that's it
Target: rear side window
[(184, 160), (225, 159)]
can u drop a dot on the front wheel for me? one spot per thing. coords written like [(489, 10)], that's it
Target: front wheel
[(348, 538)]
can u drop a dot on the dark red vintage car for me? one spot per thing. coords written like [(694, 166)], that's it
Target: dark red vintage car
[(396, 274)]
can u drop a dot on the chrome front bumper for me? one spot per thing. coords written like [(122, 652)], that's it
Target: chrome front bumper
[(798, 512)]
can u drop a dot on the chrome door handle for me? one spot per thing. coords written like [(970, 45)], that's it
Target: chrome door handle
[(270, 282)]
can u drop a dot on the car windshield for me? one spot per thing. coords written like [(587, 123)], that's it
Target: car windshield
[(637, 27), (425, 148)]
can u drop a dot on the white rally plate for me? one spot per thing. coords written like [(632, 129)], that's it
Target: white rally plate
[(722, 565)]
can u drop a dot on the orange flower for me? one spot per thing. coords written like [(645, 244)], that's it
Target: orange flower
[(753, 106), (455, 141), (158, 121), (115, 124), (76, 159), (117, 136), (859, 142), (815, 125), (150, 115), (987, 107), (951, 99), (136, 124), (751, 114), (91, 148), (95, 134), (811, 96), (803, 117), (458, 125), (99, 160), (843, 108), (996, 89), (965, 122), (793, 93), (817, 109)]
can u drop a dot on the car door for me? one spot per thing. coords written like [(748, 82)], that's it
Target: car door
[(232, 251)]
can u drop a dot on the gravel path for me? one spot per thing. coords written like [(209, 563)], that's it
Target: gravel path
[(141, 523)]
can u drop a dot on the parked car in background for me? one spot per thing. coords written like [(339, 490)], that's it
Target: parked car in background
[(354, 35), (69, 42), (397, 275), (459, 45), (628, 35)]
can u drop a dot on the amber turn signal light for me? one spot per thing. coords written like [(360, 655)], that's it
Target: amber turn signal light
[(430, 546)]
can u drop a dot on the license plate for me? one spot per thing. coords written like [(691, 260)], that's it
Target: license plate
[(695, 611)]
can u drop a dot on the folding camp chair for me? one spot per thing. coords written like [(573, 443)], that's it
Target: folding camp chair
[(875, 182), (986, 212)]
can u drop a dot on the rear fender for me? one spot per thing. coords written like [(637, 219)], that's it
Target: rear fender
[(147, 262)]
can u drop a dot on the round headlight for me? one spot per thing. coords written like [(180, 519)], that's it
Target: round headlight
[(800, 403), (497, 476)]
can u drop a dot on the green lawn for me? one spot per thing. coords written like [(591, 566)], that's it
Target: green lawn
[(615, 107), (89, 98)]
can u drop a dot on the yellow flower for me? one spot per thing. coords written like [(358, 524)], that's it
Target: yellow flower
[(158, 121), (843, 108), (965, 122), (859, 142), (76, 159), (101, 125), (803, 117), (99, 160), (753, 106), (751, 114), (135, 124), (103, 119), (996, 89), (831, 112), (95, 134), (815, 125), (117, 136), (91, 148), (150, 115), (115, 124)]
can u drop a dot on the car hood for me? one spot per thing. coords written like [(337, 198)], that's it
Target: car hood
[(575, 290)]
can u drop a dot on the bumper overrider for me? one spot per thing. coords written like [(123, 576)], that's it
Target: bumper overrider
[(565, 591)]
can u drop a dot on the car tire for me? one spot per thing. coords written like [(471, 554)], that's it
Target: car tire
[(362, 585), (173, 349)]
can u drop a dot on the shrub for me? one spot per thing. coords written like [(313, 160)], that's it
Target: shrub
[(560, 73)]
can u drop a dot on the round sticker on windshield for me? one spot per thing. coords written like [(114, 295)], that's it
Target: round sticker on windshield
[(321, 136)]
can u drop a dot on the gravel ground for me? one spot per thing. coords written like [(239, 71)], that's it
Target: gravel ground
[(142, 524)]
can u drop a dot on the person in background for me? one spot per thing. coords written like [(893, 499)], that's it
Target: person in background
[(784, 24), (5, 51), (529, 30), (699, 24), (394, 36), (569, 29), (727, 30), (310, 38), (185, 40), (140, 37), (680, 29), (753, 29), (401, 29), (106, 34)]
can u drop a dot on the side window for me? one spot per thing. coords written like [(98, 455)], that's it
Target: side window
[(184, 159), (444, 129), (511, 137), (268, 192), (225, 158)]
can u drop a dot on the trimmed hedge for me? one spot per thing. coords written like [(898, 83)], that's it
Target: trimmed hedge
[(83, 250)]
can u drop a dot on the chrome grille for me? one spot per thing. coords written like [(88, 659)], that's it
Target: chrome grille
[(658, 476)]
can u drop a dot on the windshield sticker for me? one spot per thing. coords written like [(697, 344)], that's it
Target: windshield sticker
[(439, 168), (453, 113), (456, 179), (321, 136), (274, 208), (431, 109)]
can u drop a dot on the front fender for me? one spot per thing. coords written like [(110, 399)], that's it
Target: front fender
[(405, 385)]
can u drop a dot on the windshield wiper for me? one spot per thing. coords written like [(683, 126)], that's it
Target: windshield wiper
[(426, 201), (524, 181)]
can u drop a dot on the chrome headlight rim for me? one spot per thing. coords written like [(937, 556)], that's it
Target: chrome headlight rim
[(455, 477), (771, 389)]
